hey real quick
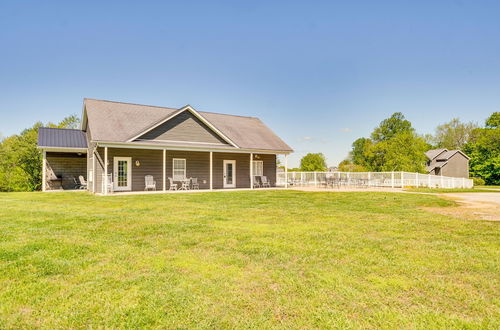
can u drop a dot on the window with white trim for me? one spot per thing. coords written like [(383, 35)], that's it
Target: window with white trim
[(258, 168), (179, 169)]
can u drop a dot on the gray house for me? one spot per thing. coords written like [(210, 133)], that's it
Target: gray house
[(132, 147), (453, 163)]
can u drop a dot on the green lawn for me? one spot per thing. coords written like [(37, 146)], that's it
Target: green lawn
[(255, 259)]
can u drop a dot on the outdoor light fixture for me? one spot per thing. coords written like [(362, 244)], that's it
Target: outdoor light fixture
[(137, 163)]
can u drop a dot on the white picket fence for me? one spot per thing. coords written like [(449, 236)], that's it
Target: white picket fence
[(371, 179)]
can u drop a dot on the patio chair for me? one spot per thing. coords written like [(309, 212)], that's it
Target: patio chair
[(173, 186), (149, 183), (77, 184), (83, 183), (194, 183), (185, 184), (108, 184), (256, 181), (264, 182)]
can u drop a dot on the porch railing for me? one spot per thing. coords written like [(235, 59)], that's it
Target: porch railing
[(371, 179)]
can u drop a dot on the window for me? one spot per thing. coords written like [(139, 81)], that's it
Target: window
[(258, 168), (179, 169)]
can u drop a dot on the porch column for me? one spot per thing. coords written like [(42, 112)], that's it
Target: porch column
[(105, 179), (286, 171), (44, 170), (164, 170), (211, 170), (251, 170), (93, 171)]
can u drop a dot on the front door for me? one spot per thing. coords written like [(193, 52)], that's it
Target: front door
[(229, 174), (122, 173)]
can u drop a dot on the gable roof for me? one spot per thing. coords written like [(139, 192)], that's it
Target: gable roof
[(61, 138), (431, 154), (122, 122)]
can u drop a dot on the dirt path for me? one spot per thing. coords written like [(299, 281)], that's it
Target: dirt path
[(482, 206)]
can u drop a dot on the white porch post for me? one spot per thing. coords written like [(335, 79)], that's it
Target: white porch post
[(44, 170), (211, 170), (251, 170), (93, 171), (164, 170), (286, 171), (105, 179)]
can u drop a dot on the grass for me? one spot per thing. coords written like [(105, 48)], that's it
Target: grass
[(451, 190), (259, 259)]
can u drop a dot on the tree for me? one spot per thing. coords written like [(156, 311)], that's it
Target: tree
[(483, 149), (403, 152), (21, 160), (391, 126), (348, 166), (362, 152), (454, 134), (313, 162)]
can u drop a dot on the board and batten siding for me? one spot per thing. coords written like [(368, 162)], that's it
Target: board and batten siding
[(197, 166), (183, 127)]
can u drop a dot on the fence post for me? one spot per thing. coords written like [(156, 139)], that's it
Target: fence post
[(369, 178), (442, 186), (392, 179), (348, 179), (463, 183), (402, 180), (428, 180), (315, 179)]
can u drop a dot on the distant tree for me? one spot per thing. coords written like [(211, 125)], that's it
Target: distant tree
[(362, 152), (349, 166), (483, 149), (21, 160), (72, 121), (454, 134), (313, 162), (493, 121), (391, 126), (403, 152)]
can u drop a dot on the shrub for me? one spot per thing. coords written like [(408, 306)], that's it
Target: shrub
[(478, 181)]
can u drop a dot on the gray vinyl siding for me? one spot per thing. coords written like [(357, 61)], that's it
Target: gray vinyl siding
[(458, 166), (197, 166), (183, 127), (65, 166)]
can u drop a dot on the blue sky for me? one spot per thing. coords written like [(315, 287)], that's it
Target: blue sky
[(320, 74)]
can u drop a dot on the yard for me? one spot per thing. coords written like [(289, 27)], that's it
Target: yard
[(244, 259)]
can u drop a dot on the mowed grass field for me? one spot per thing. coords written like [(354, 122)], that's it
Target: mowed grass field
[(254, 259)]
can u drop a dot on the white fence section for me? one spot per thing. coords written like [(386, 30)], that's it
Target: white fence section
[(371, 179)]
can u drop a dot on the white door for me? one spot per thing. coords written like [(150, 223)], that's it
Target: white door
[(122, 173), (229, 174)]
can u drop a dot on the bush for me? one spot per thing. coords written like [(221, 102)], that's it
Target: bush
[(478, 181)]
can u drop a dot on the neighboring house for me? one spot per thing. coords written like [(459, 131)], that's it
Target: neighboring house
[(126, 142), (446, 162)]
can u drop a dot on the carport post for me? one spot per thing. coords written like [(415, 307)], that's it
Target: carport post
[(44, 170)]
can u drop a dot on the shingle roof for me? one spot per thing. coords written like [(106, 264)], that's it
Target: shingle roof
[(449, 153), (118, 122), (61, 138), (431, 154)]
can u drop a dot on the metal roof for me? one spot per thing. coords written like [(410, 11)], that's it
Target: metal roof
[(61, 138)]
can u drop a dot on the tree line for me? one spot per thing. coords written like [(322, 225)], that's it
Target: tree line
[(394, 145), (21, 160)]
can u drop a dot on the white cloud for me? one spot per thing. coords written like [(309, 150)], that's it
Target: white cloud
[(345, 130)]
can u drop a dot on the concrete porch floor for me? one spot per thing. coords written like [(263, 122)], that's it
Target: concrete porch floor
[(125, 193)]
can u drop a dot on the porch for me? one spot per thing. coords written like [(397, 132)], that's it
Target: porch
[(170, 170)]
